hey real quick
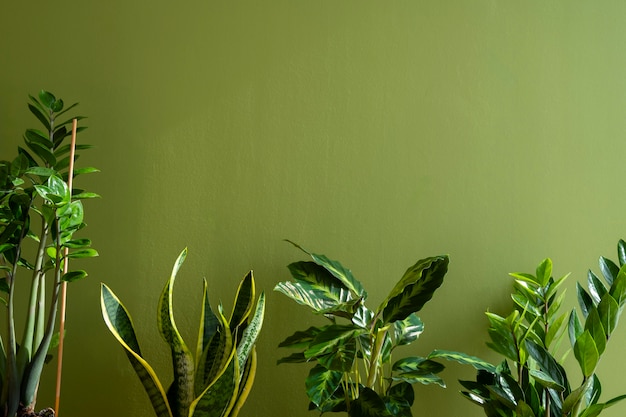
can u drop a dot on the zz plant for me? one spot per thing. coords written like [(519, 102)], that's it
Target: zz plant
[(354, 371), (39, 215), (532, 380), (217, 381)]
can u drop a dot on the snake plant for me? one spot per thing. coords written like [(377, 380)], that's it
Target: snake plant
[(214, 382), (532, 381), (39, 213), (354, 371)]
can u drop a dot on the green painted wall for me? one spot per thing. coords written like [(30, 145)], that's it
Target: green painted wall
[(374, 132)]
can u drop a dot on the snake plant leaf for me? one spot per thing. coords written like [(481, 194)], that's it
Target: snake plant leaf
[(321, 383), (596, 287), (337, 270), (183, 385), (586, 353), (408, 330), (215, 356), (414, 289), (609, 270), (244, 301), (218, 398), (245, 386), (251, 333), (369, 404), (209, 323), (400, 399), (120, 324), (463, 359)]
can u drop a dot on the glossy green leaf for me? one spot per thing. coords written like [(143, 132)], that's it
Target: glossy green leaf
[(369, 404), (618, 289), (408, 330), (400, 399), (72, 276), (83, 253), (321, 384), (120, 324), (609, 270), (575, 327), (523, 410), (47, 99), (584, 300), (39, 114), (343, 274), (546, 362), (586, 353), (608, 311), (545, 380), (462, 358), (544, 272), (301, 339), (621, 252), (42, 152), (414, 289), (330, 340), (594, 326), (595, 286)]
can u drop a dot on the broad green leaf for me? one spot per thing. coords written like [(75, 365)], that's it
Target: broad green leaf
[(37, 136), (72, 276), (363, 317), (586, 353), (463, 358), (503, 340), (593, 324), (330, 340), (608, 310), (576, 396), (544, 272), (83, 253), (324, 283), (523, 410), (414, 289), (546, 362), (47, 99), (40, 116), (575, 327), (408, 330), (621, 252), (41, 171), (42, 152), (77, 243), (584, 300), (369, 404), (400, 399), (120, 325), (343, 274), (555, 329), (596, 287), (609, 269), (321, 384), (425, 379), (618, 289), (301, 339), (182, 358), (545, 380)]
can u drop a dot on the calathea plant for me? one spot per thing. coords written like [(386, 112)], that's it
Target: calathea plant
[(39, 215), (532, 381), (354, 371), (217, 381)]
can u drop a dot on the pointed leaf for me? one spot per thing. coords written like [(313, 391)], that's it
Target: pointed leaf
[(463, 358), (609, 270), (218, 398), (120, 324), (586, 353), (321, 384), (414, 289), (244, 301), (408, 330)]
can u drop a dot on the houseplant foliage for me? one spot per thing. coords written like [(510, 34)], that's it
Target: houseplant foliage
[(354, 371), (216, 381), (532, 380), (39, 215)]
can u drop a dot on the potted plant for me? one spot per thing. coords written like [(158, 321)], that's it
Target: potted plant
[(39, 209), (214, 383), (354, 371), (532, 381)]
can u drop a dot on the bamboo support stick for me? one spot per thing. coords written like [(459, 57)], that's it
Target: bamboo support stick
[(70, 180)]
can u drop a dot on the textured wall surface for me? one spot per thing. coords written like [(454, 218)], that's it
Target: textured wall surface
[(375, 132)]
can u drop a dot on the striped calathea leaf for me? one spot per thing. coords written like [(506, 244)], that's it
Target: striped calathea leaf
[(538, 384), (352, 370), (213, 381)]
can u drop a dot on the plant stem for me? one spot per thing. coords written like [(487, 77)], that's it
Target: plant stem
[(377, 347)]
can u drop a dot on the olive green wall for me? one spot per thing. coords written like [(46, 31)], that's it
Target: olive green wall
[(376, 132)]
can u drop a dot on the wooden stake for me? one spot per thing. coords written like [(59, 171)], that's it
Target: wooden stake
[(70, 180)]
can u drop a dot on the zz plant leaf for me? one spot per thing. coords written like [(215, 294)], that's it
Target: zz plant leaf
[(353, 371), (38, 218), (530, 339), (217, 380)]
